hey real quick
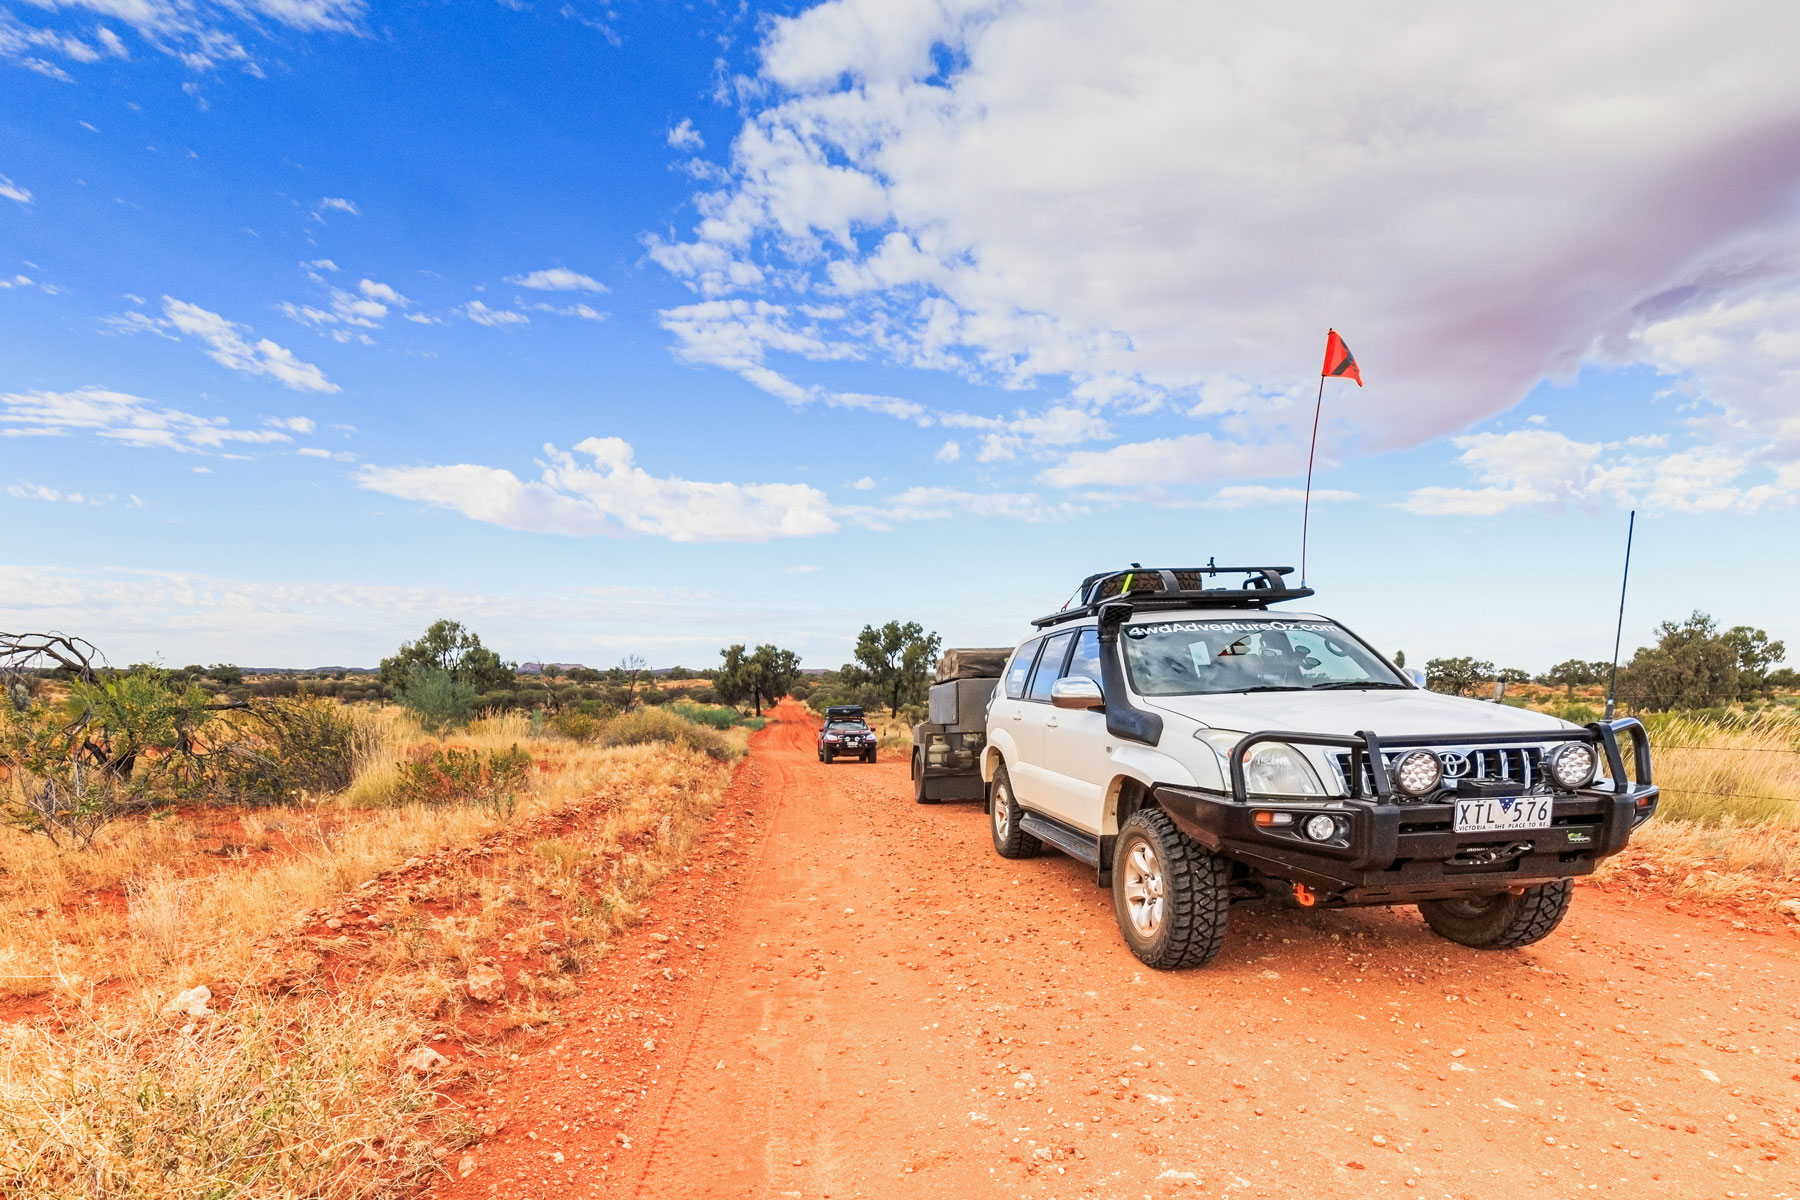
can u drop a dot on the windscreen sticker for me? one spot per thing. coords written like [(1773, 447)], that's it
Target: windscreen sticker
[(1143, 631)]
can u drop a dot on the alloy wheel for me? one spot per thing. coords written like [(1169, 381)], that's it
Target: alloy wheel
[(1144, 889)]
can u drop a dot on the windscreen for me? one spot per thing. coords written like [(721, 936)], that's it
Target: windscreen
[(1188, 658), (846, 726)]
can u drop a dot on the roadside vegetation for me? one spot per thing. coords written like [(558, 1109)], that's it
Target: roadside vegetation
[(243, 939)]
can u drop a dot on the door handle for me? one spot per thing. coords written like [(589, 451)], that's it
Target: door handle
[(1018, 716), (1051, 723)]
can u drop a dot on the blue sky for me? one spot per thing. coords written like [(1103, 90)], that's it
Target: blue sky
[(645, 328)]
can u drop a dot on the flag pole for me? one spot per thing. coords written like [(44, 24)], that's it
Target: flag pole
[(1306, 508), (1619, 631)]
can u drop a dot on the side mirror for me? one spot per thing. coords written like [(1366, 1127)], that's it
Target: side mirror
[(1417, 676), (1076, 691)]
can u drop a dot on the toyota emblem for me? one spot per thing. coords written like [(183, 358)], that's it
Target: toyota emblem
[(1455, 765)]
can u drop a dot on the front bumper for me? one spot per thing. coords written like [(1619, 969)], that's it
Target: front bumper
[(1397, 850)]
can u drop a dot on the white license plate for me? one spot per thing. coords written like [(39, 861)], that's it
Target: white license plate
[(1503, 814)]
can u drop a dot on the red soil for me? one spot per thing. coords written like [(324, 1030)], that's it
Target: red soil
[(851, 995)]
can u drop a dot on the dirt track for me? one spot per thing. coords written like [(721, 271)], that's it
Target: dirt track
[(848, 994)]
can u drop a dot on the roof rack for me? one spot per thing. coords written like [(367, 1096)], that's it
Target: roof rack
[(1149, 588)]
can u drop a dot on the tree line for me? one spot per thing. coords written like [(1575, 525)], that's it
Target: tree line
[(1693, 664)]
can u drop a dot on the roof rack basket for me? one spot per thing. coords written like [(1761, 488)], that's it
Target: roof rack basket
[(1150, 588)]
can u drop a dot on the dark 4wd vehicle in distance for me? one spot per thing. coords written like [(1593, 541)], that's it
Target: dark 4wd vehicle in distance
[(845, 732)]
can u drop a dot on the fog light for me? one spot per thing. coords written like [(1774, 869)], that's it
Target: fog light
[(1321, 828), (1572, 765), (1418, 773)]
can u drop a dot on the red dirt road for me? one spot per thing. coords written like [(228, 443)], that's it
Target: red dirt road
[(848, 994)]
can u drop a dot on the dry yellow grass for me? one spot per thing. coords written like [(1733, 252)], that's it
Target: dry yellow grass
[(1729, 823), (191, 919), (301, 1094), (1710, 772)]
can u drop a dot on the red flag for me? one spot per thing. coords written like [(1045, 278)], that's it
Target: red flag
[(1339, 361)]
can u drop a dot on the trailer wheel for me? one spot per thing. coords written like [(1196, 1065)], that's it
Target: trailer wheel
[(918, 778)]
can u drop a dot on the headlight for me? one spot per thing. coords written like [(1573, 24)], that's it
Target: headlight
[(1270, 768), (1418, 773), (1572, 765)]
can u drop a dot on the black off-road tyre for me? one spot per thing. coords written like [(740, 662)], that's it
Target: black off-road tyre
[(918, 778), (1502, 922), (1154, 861), (869, 755), (1003, 820)]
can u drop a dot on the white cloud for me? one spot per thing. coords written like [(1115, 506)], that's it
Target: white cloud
[(585, 312), (739, 335), (337, 204), (1543, 469), (12, 191), (365, 308), (803, 570), (865, 484), (1257, 496), (228, 345), (481, 314), (382, 292), (291, 424), (1167, 204), (949, 452), (322, 264), (557, 279), (121, 417), (1189, 458), (1059, 425), (26, 490), (938, 503), (685, 137), (610, 494)]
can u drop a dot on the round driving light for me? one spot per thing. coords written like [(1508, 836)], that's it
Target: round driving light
[(1418, 773), (1572, 765), (1321, 828)]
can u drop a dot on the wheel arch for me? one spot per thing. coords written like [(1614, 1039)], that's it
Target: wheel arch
[(1125, 794)]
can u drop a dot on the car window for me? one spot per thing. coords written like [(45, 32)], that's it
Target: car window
[(1049, 666), (842, 725), (1020, 669), (1176, 658), (1086, 660)]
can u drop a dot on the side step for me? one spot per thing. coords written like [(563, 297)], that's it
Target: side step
[(1070, 842)]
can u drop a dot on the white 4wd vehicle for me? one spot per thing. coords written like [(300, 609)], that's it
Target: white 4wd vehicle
[(1198, 750)]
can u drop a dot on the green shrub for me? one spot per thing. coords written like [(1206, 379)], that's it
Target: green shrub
[(647, 725), (283, 748), (437, 698), (717, 716), (575, 725), (452, 775)]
